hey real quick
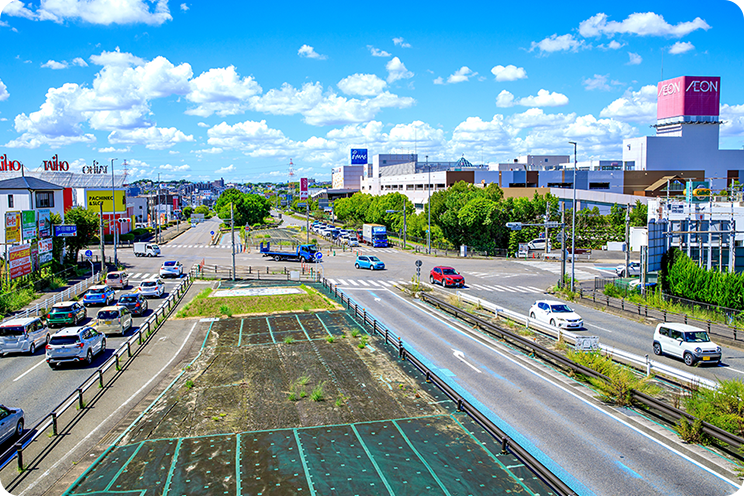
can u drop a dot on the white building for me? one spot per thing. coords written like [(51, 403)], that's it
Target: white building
[(29, 193), (348, 177)]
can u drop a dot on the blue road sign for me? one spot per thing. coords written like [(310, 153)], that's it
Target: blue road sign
[(65, 231), (211, 232), (88, 253), (318, 256)]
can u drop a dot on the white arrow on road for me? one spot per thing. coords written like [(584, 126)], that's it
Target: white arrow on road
[(461, 356)]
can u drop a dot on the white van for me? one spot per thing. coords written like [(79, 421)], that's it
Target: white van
[(24, 335), (684, 341)]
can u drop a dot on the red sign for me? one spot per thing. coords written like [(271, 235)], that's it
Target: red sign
[(55, 165), (303, 188), (20, 260), (688, 95), (175, 203), (9, 165)]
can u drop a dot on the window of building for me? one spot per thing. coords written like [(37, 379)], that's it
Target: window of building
[(599, 185), (44, 199), (519, 185), (560, 185), (10, 201), (409, 186)]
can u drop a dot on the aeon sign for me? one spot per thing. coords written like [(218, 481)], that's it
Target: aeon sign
[(688, 95), (358, 156), (9, 165), (56, 165)]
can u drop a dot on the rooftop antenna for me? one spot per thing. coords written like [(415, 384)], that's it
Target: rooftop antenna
[(662, 63)]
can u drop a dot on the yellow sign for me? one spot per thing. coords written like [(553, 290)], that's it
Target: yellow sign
[(103, 197), (12, 227)]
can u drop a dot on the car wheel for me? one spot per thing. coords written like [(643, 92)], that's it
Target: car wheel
[(32, 348), (356, 266), (689, 359), (19, 428), (552, 322), (657, 349), (532, 315), (89, 357), (431, 280)]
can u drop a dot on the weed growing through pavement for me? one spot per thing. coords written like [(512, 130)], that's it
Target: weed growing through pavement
[(330, 339), (189, 384), (363, 343), (317, 394), (288, 340), (355, 333)]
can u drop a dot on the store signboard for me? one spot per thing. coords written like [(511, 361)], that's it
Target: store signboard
[(20, 260), (12, 227), (45, 251), (103, 197), (28, 223), (303, 188), (65, 230), (45, 223), (688, 95)]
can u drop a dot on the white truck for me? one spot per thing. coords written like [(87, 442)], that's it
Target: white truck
[(146, 250)]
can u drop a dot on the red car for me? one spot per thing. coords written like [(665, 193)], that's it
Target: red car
[(446, 276)]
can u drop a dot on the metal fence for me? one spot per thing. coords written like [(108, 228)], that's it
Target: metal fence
[(463, 405), (307, 272), (39, 440)]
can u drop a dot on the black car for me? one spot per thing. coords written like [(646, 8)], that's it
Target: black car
[(135, 302)]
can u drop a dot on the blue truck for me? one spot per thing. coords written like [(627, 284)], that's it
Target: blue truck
[(303, 253), (375, 235)]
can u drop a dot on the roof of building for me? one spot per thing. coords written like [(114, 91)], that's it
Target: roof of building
[(27, 182)]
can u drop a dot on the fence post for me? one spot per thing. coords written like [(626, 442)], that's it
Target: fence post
[(400, 348), (622, 304), (709, 326), (100, 378), (80, 398), (386, 336), (665, 318), (19, 453), (648, 366), (129, 349)]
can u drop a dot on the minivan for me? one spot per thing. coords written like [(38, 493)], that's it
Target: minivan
[(23, 335), (118, 280)]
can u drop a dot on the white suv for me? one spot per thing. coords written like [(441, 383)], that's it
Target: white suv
[(686, 342), (75, 344)]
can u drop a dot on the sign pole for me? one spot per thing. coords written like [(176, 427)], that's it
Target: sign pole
[(103, 253), (232, 234)]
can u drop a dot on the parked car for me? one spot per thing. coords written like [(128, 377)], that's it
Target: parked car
[(684, 341), (634, 269), (113, 320), (75, 344), (151, 288), (11, 423), (446, 276), (135, 302), (24, 335), (368, 262), (99, 295), (119, 279), (66, 313), (171, 268), (556, 313), (537, 244)]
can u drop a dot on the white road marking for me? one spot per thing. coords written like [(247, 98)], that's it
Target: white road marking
[(461, 356), (361, 281), (496, 288), (597, 327), (29, 370), (352, 282)]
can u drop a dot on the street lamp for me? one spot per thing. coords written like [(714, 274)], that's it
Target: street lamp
[(573, 223), (113, 209), (404, 220)]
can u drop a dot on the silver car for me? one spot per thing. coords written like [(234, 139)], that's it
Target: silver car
[(11, 423), (75, 344)]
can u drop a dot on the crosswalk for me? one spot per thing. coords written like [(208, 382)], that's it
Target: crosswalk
[(363, 250), (143, 275), (373, 283), (200, 246), (555, 268)]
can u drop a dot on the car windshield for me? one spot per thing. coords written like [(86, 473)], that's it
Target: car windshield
[(697, 337), (61, 340), (96, 291), (11, 331), (64, 309), (128, 299), (108, 314), (560, 308), (374, 259), (169, 264), (155, 247), (449, 272)]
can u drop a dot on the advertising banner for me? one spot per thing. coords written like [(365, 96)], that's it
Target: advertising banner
[(12, 227), (697, 192), (20, 260), (65, 230), (103, 197), (303, 188), (358, 156), (45, 251), (688, 95), (45, 223), (28, 223)]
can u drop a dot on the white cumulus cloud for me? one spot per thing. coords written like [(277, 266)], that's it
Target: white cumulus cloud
[(184, 7), (599, 82), (544, 98), (53, 64), (401, 43), (3, 91), (634, 106), (555, 43), (461, 75), (221, 91), (229, 168), (634, 58), (397, 70), (508, 73), (639, 23), (78, 61), (681, 47), (309, 52), (362, 85), (153, 138), (376, 52), (175, 168), (104, 12)]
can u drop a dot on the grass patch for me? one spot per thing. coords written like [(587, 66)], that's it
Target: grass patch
[(288, 340), (204, 306), (189, 384), (363, 342), (318, 394), (355, 333), (330, 339)]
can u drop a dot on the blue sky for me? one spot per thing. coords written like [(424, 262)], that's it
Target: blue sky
[(202, 90)]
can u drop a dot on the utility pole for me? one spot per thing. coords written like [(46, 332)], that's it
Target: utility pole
[(307, 222), (405, 198), (157, 214), (563, 245), (100, 236), (573, 224), (547, 219), (232, 234), (627, 241)]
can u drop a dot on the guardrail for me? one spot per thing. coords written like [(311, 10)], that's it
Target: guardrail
[(672, 413), (58, 297), (624, 305), (507, 444), (309, 273), (34, 443)]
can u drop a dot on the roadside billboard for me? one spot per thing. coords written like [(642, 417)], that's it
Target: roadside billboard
[(103, 197), (303, 188), (45, 223), (688, 95), (12, 227), (358, 156), (20, 260), (45, 251), (28, 224)]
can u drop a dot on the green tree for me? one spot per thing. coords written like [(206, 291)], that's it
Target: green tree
[(187, 211), (248, 209), (88, 223), (202, 209)]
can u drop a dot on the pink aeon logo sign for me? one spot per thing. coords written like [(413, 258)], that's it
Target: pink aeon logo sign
[(688, 95)]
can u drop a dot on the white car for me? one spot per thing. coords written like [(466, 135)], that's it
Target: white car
[(352, 241), (11, 423), (537, 244), (634, 269), (151, 288), (171, 268), (75, 344), (686, 342), (557, 314)]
